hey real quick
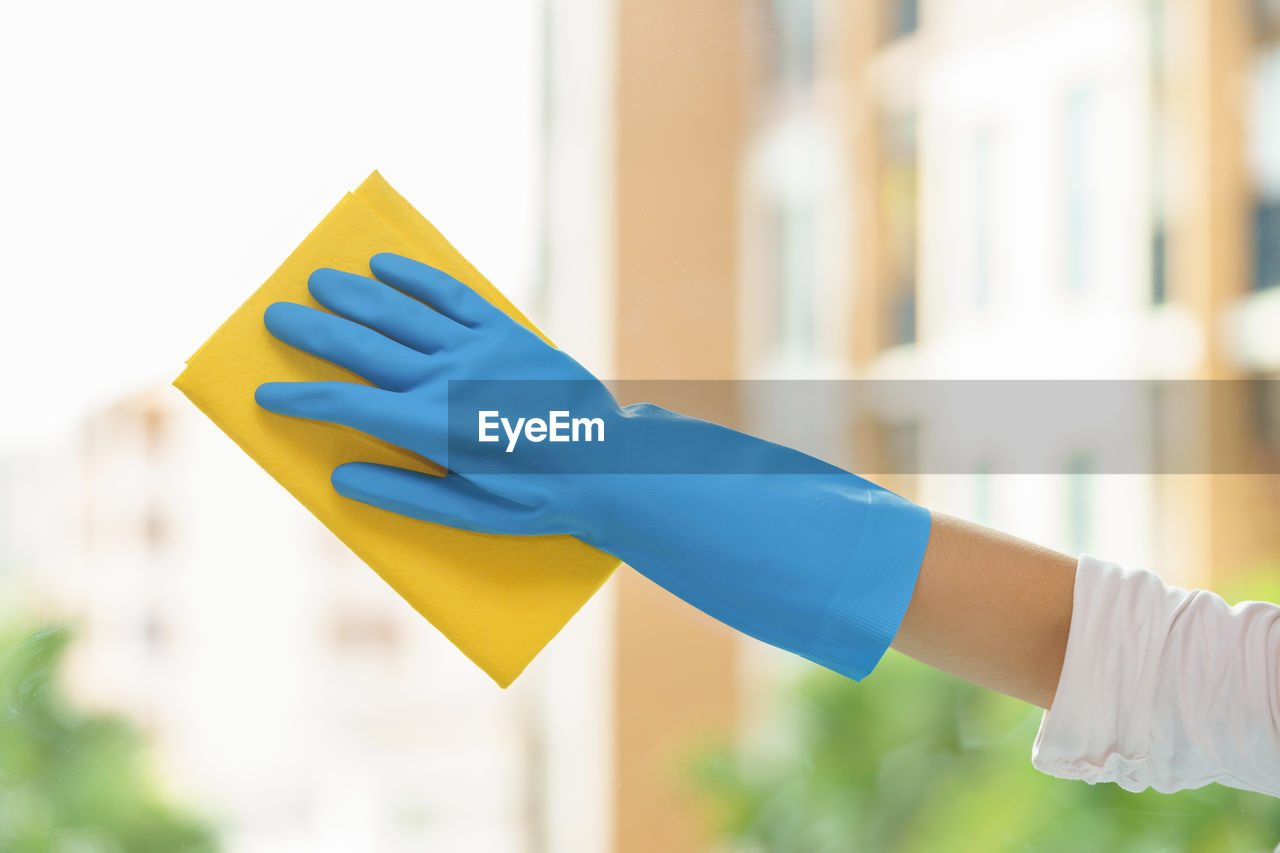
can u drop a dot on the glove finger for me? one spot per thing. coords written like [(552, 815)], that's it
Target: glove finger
[(440, 290), (382, 414), (362, 351), (450, 500), (383, 308)]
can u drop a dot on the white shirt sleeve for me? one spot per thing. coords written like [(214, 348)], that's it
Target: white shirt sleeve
[(1164, 688)]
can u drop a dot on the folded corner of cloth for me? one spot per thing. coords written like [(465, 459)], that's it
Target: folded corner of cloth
[(499, 599)]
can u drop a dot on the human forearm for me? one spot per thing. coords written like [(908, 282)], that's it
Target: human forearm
[(991, 609)]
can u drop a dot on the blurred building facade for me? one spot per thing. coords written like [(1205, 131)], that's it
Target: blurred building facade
[(907, 189), (289, 693)]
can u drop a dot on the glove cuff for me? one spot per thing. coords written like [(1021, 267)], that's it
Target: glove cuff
[(877, 587)]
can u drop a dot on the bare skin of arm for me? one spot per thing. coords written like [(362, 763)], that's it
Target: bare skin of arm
[(992, 609)]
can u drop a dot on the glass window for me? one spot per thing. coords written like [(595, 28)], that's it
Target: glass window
[(1266, 15), (898, 216), (983, 205), (1157, 57), (1266, 243), (1079, 521), (1079, 170), (1264, 167), (1264, 392), (793, 35), (901, 18), (1159, 271), (792, 226), (902, 316), (155, 633), (982, 494), (900, 448)]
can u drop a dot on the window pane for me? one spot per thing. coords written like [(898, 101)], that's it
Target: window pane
[(898, 212), (795, 276), (791, 28), (1264, 161), (1079, 503), (902, 18), (1078, 173)]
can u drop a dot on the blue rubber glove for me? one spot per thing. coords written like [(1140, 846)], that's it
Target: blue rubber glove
[(777, 544)]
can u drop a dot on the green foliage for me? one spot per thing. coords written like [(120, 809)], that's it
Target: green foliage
[(1260, 582), (73, 782), (914, 760)]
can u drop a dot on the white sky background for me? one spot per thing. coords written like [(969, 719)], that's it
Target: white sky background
[(159, 160)]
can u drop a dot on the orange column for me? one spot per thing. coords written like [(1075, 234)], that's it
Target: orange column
[(1227, 520), (679, 135)]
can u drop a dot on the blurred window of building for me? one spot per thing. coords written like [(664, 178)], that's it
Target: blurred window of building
[(1157, 53), (782, 193), (792, 227), (1079, 176), (364, 632), (1266, 243), (983, 214), (155, 632), (793, 42), (1264, 392), (1264, 160), (901, 18), (1159, 408), (982, 494), (1079, 503), (155, 526), (900, 448), (903, 316), (1159, 258), (1266, 16), (899, 200)]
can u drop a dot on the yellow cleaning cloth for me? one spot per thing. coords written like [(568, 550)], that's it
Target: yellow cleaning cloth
[(499, 599)]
